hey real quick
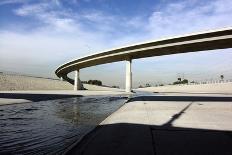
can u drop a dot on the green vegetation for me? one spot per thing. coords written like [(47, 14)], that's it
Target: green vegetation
[(115, 87), (222, 77), (185, 81), (193, 82), (93, 82)]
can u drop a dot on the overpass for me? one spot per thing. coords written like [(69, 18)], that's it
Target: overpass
[(209, 40)]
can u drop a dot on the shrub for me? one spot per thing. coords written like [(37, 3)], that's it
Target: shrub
[(185, 81), (95, 82)]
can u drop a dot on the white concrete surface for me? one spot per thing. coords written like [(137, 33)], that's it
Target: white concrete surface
[(68, 92), (201, 88), (20, 82), (5, 101), (199, 115)]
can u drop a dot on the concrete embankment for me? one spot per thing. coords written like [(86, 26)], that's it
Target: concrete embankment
[(10, 82), (20, 82), (201, 88), (21, 89)]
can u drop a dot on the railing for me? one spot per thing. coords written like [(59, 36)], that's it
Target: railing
[(210, 82)]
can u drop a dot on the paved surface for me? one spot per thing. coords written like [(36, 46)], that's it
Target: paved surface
[(173, 125)]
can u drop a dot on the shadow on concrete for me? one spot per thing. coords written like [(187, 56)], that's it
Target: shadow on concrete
[(138, 139), (36, 97), (176, 116), (145, 139), (182, 98)]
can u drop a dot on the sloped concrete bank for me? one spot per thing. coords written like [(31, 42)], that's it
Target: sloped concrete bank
[(9, 82)]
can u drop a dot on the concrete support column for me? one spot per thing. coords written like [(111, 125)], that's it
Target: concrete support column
[(128, 75), (77, 81)]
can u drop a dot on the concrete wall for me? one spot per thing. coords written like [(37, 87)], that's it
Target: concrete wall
[(19, 82)]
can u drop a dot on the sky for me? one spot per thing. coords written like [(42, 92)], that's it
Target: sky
[(36, 36)]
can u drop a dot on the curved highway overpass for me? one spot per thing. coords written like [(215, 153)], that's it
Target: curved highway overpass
[(209, 40)]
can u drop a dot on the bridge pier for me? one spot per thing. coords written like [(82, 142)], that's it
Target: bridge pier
[(77, 81), (128, 75)]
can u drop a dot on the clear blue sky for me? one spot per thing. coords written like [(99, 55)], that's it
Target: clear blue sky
[(37, 36)]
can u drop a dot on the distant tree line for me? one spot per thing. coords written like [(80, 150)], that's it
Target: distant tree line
[(179, 81), (149, 85), (93, 82), (115, 87)]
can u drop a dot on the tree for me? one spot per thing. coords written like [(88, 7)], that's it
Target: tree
[(115, 87), (95, 82), (176, 82), (184, 81), (222, 77)]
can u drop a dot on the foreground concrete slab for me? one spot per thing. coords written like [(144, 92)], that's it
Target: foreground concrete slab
[(173, 127)]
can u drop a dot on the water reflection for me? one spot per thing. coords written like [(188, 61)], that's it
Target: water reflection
[(49, 127), (69, 112)]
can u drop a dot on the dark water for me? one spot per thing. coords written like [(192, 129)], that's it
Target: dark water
[(50, 127)]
